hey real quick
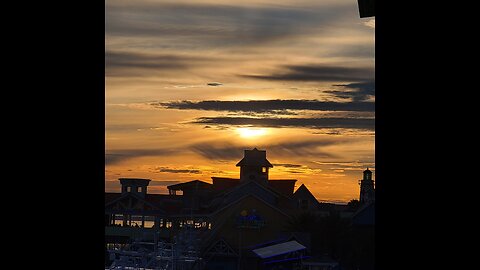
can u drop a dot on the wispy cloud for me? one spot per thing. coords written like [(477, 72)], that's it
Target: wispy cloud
[(317, 123), (218, 25), (214, 84), (358, 92), (347, 165), (287, 165), (319, 73), (229, 151), (277, 105), (124, 63), (121, 155), (225, 151), (175, 170)]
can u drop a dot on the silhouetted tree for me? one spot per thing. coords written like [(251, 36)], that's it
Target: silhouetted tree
[(353, 205)]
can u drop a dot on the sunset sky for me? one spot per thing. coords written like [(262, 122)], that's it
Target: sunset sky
[(191, 84)]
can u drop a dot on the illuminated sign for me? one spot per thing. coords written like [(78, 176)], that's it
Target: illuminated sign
[(249, 220)]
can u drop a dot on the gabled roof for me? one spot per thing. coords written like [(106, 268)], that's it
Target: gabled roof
[(195, 184), (132, 195), (163, 202), (245, 188), (255, 157), (303, 192), (284, 186), (246, 183), (227, 206), (221, 246)]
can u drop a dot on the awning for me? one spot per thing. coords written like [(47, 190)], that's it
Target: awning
[(278, 249)]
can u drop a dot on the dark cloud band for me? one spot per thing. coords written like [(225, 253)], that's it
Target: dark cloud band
[(260, 106), (349, 123), (319, 73), (227, 151)]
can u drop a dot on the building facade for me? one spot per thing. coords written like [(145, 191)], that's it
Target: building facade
[(225, 221)]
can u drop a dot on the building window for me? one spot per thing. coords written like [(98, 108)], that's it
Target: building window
[(264, 169), (118, 220), (129, 189), (160, 223), (168, 224)]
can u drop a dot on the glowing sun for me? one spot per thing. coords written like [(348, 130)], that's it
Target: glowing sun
[(251, 132)]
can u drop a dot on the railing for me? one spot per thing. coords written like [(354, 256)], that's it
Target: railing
[(135, 233)]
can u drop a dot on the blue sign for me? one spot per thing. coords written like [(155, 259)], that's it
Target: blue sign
[(250, 220)]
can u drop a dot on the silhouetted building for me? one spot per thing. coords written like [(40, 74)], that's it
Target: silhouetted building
[(367, 187), (229, 218), (254, 166), (136, 186), (365, 215), (305, 199)]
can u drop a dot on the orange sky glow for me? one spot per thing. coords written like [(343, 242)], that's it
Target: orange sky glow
[(191, 84)]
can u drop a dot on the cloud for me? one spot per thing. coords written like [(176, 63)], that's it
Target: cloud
[(121, 155), (262, 106), (115, 158), (125, 127), (360, 91), (348, 123), (122, 63), (287, 165), (220, 25), (214, 84), (320, 73), (225, 151), (219, 152), (171, 170), (348, 165), (305, 148)]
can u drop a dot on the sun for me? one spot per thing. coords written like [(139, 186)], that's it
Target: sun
[(251, 132)]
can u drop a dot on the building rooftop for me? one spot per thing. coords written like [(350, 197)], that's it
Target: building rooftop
[(255, 157)]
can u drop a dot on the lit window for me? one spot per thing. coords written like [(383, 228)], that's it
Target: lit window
[(264, 169)]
